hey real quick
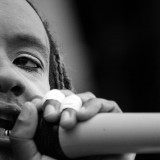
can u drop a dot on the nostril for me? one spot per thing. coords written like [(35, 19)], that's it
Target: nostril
[(17, 90)]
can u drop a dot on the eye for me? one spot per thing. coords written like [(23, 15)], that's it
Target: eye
[(28, 63)]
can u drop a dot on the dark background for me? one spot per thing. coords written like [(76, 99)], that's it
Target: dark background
[(123, 39)]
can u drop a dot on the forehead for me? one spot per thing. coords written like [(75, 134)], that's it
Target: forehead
[(18, 17)]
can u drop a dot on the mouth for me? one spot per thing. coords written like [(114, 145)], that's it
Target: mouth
[(8, 116)]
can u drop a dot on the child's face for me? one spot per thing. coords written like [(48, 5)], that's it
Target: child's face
[(24, 56)]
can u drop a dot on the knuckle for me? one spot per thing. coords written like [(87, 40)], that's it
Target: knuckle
[(110, 103), (116, 107), (113, 103)]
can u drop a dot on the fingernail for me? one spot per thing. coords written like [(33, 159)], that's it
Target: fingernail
[(65, 116), (49, 110)]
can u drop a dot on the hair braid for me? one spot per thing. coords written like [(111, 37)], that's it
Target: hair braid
[(57, 74), (59, 71)]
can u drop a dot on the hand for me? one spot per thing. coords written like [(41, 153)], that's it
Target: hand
[(91, 106)]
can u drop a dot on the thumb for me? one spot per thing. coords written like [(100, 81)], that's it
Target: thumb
[(22, 134)]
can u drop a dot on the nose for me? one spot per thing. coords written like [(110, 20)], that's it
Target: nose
[(10, 81)]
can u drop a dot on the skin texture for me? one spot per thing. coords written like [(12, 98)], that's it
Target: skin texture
[(24, 80), (18, 19)]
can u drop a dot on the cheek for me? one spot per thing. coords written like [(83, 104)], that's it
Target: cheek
[(35, 86), (43, 85)]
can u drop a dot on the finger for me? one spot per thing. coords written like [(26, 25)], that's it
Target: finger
[(58, 100), (21, 136), (54, 94), (50, 107), (115, 107), (72, 101), (51, 110), (94, 106), (68, 119), (38, 103), (86, 96)]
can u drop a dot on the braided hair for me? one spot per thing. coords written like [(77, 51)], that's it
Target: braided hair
[(57, 74)]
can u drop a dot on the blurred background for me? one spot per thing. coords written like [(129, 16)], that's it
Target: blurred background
[(111, 48)]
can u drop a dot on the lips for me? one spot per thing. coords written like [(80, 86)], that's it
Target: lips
[(8, 115)]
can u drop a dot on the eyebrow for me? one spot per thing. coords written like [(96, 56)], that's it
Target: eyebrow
[(25, 40)]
